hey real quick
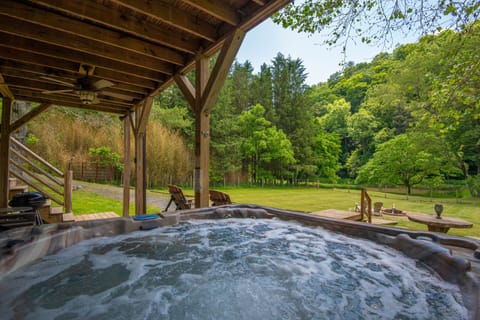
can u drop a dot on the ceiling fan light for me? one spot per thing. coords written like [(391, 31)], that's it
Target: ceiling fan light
[(87, 96)]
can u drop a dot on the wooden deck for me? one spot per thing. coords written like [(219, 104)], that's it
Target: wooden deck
[(350, 215), (96, 216), (329, 213)]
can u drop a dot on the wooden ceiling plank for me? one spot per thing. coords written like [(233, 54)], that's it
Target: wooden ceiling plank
[(63, 53), (217, 8), (17, 79), (70, 102), (54, 37), (117, 20), (89, 31), (34, 85), (30, 72), (172, 16), (26, 61)]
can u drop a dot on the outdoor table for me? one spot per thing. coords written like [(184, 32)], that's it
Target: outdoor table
[(439, 224)]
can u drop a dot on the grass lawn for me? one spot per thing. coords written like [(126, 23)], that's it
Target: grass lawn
[(85, 202), (313, 199)]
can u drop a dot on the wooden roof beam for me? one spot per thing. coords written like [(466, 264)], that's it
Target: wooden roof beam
[(217, 8), (25, 95), (4, 89), (48, 66), (117, 20), (77, 57), (186, 88), (221, 69), (28, 74), (172, 16), (202, 97), (45, 18), (29, 116), (36, 96), (54, 37)]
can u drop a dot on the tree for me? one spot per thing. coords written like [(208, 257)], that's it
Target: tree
[(263, 144), (263, 92), (453, 108), (327, 151), (336, 121), (294, 115), (362, 127), (376, 21), (407, 160), (241, 78)]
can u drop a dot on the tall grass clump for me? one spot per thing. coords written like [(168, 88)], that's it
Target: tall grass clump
[(168, 158), (63, 134)]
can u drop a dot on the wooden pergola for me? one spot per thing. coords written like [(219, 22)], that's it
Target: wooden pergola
[(117, 55)]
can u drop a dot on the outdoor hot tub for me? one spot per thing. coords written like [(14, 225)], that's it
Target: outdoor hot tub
[(236, 262)]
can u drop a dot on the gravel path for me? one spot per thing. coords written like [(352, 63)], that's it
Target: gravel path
[(154, 199)]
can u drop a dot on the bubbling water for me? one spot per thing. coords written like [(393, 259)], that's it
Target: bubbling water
[(229, 269)]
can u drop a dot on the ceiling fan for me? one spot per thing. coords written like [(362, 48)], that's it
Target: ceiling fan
[(85, 87)]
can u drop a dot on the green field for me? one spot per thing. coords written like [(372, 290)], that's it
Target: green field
[(316, 199), (313, 199)]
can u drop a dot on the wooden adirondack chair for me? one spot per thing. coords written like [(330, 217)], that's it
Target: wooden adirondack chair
[(177, 197), (219, 198)]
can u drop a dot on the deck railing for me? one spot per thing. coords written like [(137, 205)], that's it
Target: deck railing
[(365, 206), (40, 175)]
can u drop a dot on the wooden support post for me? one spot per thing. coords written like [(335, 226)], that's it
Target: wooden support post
[(362, 204), (140, 187), (202, 134), (67, 188), (202, 151), (141, 119), (126, 166), (5, 150), (201, 98)]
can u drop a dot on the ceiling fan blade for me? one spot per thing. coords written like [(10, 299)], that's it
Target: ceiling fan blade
[(57, 91), (117, 95), (102, 83), (57, 81)]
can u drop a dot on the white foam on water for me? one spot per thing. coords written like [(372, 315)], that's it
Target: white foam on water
[(228, 269)]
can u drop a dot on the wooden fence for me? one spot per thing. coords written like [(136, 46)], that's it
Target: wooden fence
[(95, 172)]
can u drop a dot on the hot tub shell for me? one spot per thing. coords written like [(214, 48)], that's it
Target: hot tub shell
[(455, 259)]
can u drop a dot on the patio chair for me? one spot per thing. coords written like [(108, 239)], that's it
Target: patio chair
[(177, 197), (219, 198)]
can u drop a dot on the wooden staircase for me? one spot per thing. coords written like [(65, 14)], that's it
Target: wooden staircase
[(28, 171), (48, 212)]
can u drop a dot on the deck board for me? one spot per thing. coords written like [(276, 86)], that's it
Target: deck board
[(96, 216), (350, 215), (338, 214)]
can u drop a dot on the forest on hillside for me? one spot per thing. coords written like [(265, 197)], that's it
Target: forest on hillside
[(408, 118)]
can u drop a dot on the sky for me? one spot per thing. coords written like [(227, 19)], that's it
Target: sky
[(262, 44)]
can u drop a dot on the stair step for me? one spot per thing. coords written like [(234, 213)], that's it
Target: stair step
[(12, 182), (19, 187), (13, 190), (56, 210), (68, 217)]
